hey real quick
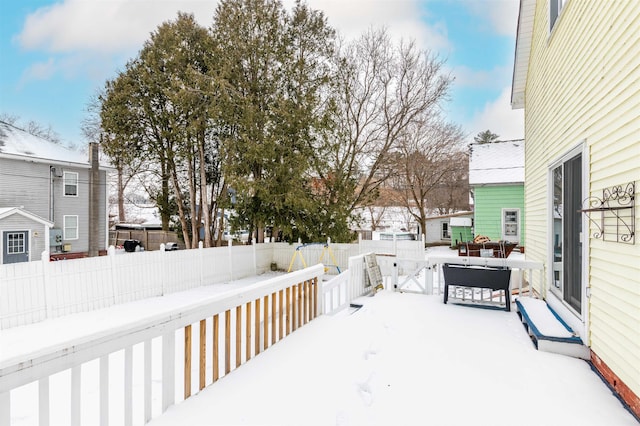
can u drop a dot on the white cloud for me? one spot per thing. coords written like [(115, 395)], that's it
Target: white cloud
[(502, 15), (494, 78), (498, 117), (39, 71), (104, 26), (402, 18), (113, 26)]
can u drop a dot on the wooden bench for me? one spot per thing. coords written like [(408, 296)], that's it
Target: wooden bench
[(483, 277)]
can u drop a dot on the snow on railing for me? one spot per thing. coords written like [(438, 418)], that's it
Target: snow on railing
[(31, 292), (238, 325)]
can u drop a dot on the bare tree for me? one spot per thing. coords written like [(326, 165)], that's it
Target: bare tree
[(383, 89), (427, 161), (32, 127)]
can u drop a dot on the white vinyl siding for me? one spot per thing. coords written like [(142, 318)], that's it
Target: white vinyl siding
[(590, 92)]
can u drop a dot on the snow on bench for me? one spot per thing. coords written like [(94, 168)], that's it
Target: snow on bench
[(547, 330)]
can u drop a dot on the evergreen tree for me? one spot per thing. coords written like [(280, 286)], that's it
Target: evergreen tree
[(486, 137)]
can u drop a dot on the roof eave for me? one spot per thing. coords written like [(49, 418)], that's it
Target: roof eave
[(522, 51), (54, 162)]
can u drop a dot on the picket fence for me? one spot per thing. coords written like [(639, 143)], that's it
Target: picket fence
[(34, 291)]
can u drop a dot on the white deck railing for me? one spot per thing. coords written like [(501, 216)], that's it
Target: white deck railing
[(522, 270), (426, 276), (341, 290), (243, 323)]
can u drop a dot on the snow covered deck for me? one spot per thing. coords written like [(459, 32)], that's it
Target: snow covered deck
[(400, 359)]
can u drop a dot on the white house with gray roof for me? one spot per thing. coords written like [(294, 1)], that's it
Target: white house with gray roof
[(51, 198)]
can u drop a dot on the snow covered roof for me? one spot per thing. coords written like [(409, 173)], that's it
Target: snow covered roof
[(17, 143), (497, 162)]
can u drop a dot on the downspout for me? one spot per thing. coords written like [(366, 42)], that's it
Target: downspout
[(51, 206)]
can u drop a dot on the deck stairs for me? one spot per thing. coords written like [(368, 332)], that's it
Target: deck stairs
[(547, 330)]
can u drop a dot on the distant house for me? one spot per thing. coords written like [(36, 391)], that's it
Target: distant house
[(496, 177), (449, 229), (51, 199), (577, 74)]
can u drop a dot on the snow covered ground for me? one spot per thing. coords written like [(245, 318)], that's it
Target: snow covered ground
[(406, 359), (402, 359)]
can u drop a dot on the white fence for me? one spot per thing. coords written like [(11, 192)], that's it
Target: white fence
[(34, 291), (227, 332)]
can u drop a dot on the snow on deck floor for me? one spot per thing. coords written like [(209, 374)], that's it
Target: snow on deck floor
[(406, 359), (401, 359)]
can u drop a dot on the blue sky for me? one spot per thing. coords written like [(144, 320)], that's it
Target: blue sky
[(55, 55)]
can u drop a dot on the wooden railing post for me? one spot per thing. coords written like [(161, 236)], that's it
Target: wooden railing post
[(288, 311), (238, 335), (257, 327), (273, 318), (248, 327), (227, 342), (280, 314), (265, 323), (203, 353), (215, 349), (187, 361)]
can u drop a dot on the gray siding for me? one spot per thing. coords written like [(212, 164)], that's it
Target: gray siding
[(25, 184), (29, 185)]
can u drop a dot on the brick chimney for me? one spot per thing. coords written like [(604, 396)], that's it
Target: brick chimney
[(95, 227)]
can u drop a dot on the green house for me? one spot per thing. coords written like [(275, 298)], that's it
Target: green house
[(496, 177)]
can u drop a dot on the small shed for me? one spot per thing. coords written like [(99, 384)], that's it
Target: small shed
[(439, 229)]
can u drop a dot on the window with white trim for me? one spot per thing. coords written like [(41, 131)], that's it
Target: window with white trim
[(445, 231), (70, 227), (511, 225), (70, 180), (16, 243), (555, 7)]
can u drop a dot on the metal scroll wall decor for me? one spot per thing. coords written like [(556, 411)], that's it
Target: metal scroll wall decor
[(614, 215)]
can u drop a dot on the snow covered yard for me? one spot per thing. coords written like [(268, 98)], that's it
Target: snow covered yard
[(406, 359)]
